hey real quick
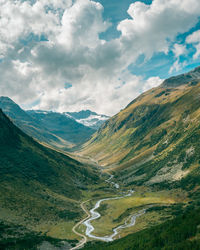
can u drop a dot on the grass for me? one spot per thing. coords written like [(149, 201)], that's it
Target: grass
[(62, 230), (180, 233), (154, 124), (14, 237), (40, 189), (115, 212)]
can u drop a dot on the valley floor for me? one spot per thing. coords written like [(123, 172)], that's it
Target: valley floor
[(159, 206)]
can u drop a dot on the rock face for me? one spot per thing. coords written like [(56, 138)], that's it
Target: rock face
[(148, 142)]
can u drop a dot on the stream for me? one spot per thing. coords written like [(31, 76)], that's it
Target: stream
[(130, 221)]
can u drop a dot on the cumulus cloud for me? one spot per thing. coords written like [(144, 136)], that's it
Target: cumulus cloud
[(152, 27), (113, 94), (152, 82), (176, 66), (178, 50), (45, 44), (194, 38)]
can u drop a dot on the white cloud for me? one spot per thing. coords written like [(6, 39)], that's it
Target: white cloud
[(197, 54), (152, 82), (179, 50), (175, 67), (194, 38), (32, 69), (112, 95), (81, 25), (152, 27)]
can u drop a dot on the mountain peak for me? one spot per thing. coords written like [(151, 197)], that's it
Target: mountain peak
[(192, 77), (12, 109), (88, 118), (6, 99)]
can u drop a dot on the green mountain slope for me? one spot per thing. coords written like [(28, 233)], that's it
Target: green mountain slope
[(153, 147), (28, 124), (52, 128), (39, 188), (62, 126), (156, 138)]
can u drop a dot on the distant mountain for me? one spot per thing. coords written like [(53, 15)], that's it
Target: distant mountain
[(39, 187), (28, 124), (88, 118), (62, 126), (155, 140), (49, 127)]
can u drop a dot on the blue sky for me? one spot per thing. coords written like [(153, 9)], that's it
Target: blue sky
[(116, 11), (70, 55), (160, 64)]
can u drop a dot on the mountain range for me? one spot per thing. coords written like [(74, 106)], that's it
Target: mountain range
[(89, 118), (152, 146), (61, 130)]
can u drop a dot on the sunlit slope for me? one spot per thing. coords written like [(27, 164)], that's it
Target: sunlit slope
[(39, 187), (155, 138)]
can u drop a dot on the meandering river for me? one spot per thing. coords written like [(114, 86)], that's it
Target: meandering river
[(130, 221)]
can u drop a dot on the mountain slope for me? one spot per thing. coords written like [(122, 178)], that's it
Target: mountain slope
[(89, 118), (28, 124), (52, 128), (62, 126), (192, 77), (39, 188), (155, 139)]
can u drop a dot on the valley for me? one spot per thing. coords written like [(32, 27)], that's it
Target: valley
[(115, 217), (152, 147), (136, 175)]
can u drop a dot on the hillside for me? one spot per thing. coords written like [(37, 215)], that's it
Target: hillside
[(155, 139), (52, 128), (63, 126), (28, 124), (39, 188)]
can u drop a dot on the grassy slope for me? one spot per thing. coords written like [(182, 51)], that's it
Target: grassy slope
[(39, 188), (153, 143), (15, 237), (63, 127), (181, 233), (154, 139)]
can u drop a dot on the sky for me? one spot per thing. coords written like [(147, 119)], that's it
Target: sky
[(70, 55)]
